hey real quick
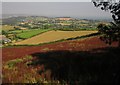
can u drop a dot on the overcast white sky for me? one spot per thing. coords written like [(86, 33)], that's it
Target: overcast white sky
[(73, 9), (49, 0), (46, 0)]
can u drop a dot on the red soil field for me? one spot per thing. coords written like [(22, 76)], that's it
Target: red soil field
[(76, 45), (71, 48)]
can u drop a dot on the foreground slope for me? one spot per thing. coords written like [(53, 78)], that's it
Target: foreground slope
[(86, 61)]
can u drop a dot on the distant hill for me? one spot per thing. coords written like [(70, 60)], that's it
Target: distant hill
[(12, 20)]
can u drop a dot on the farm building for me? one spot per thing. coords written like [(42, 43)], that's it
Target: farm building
[(64, 18), (4, 39), (22, 28)]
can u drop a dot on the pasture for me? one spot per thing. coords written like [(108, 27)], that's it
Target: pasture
[(31, 33), (52, 36)]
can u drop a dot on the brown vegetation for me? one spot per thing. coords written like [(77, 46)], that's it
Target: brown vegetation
[(86, 61)]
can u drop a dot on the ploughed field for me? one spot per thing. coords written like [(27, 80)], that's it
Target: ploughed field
[(79, 62), (52, 36)]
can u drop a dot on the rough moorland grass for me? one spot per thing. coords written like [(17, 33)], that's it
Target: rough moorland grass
[(29, 34), (11, 63)]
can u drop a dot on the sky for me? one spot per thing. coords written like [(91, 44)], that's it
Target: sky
[(46, 0), (72, 9)]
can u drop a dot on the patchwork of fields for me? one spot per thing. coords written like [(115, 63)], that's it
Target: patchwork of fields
[(51, 36)]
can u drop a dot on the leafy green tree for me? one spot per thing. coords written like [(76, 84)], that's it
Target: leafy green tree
[(113, 31), (4, 33)]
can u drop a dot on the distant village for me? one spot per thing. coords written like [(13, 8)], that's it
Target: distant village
[(46, 22)]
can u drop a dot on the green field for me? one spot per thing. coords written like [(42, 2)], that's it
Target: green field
[(31, 33)]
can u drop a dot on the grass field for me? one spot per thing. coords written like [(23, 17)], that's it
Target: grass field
[(6, 27), (53, 36), (18, 31), (31, 33)]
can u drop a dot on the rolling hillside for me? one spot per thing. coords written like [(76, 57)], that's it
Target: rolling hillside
[(87, 61)]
